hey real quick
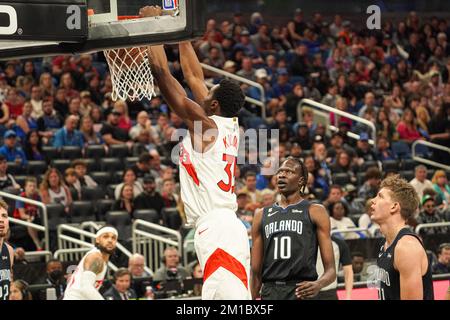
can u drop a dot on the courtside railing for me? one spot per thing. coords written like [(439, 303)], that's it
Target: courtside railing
[(151, 240), (431, 225), (328, 109), (43, 228), (431, 145), (260, 103), (358, 231)]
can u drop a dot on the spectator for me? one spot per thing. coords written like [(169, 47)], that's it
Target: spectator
[(168, 193), (84, 180), (11, 151), (129, 178), (407, 128), (281, 124), (247, 70), (69, 135), (49, 122), (365, 222), (303, 137), (430, 214), (14, 103), (54, 276), (143, 123), (61, 102), (370, 187), (5, 121), (443, 264), (247, 46), (384, 151), (86, 103), (53, 189), (339, 220), (364, 150), (68, 84), (46, 84), (343, 164), (125, 201), (90, 136), (25, 122), (142, 167), (33, 146), (441, 186), (250, 187), (197, 274), (97, 119), (6, 180), (136, 264), (111, 132), (36, 102), (369, 104), (385, 123), (296, 27), (282, 87), (121, 289), (171, 270), (420, 181), (149, 198), (121, 108), (71, 180), (19, 290), (358, 265), (29, 212)]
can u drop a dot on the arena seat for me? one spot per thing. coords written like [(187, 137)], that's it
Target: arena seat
[(110, 190), (390, 165), (171, 218), (130, 161), (95, 151), (117, 177), (120, 220), (118, 151), (50, 153), (71, 152), (36, 167), (20, 180), (408, 164), (15, 168), (82, 211), (341, 178), (102, 178), (407, 174), (61, 165), (56, 215), (150, 215), (110, 164), (102, 206), (91, 164), (401, 150), (92, 193), (367, 164)]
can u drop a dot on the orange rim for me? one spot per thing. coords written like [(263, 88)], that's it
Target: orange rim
[(127, 17)]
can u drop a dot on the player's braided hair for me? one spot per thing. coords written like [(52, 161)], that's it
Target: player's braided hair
[(303, 174)]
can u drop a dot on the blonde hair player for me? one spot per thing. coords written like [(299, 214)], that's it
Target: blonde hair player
[(90, 273), (403, 268), (207, 169)]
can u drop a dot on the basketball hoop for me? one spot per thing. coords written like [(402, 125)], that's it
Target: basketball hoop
[(131, 73)]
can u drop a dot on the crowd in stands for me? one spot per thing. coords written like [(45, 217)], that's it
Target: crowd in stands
[(62, 136)]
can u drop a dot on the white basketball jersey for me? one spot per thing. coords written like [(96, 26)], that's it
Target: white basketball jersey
[(73, 290), (207, 179)]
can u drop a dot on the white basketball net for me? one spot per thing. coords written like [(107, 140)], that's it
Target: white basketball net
[(131, 75)]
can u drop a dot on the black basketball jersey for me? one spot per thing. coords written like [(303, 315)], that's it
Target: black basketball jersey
[(290, 243), (5, 272), (388, 277)]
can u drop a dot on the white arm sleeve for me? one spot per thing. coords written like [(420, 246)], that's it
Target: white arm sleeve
[(87, 286)]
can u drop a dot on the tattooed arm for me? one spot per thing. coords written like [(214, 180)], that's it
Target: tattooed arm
[(93, 265)]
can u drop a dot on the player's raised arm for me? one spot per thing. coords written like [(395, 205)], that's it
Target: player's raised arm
[(174, 93), (257, 255), (93, 265), (309, 289), (408, 261), (192, 71)]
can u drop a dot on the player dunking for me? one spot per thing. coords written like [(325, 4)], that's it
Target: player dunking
[(91, 271), (403, 268), (6, 254), (208, 157), (286, 237)]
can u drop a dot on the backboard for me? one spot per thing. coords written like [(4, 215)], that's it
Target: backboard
[(103, 24)]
